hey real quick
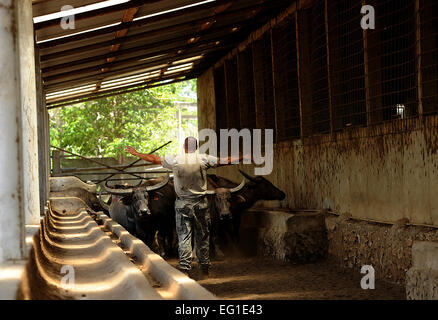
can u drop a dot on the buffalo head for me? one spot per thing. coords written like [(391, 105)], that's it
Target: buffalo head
[(222, 198), (139, 196)]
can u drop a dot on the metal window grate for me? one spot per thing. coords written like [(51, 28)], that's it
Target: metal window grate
[(317, 114), (246, 89), (220, 94), (263, 83), (284, 49), (347, 68), (232, 93), (392, 61), (429, 55)]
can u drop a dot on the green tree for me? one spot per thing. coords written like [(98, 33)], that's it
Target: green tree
[(143, 119)]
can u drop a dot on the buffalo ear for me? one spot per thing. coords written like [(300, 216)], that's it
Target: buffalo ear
[(247, 176), (240, 199)]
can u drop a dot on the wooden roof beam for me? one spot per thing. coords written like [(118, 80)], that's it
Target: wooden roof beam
[(137, 23), (94, 13)]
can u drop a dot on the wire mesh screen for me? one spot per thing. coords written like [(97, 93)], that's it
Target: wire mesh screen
[(347, 69), (392, 61), (220, 96), (284, 49), (429, 54), (313, 52), (232, 94), (246, 89), (263, 83)]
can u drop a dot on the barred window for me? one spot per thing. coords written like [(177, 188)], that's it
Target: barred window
[(246, 89), (392, 61), (220, 94), (347, 69), (264, 91), (313, 53), (429, 55), (286, 80), (232, 93)]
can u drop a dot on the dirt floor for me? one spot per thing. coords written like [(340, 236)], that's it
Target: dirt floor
[(262, 278)]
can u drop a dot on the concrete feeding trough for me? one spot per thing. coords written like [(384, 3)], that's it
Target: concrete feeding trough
[(74, 258)]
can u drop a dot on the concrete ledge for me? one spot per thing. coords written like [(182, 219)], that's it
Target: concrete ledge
[(11, 273), (294, 236), (178, 284), (422, 278), (65, 183), (388, 248)]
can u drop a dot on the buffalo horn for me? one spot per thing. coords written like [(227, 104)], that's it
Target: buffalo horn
[(240, 186), (121, 192), (158, 185)]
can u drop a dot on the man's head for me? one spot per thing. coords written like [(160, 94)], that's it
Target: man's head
[(190, 145)]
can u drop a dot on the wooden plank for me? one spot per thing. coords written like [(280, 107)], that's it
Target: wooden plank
[(95, 13), (177, 78), (122, 65), (132, 24), (151, 49)]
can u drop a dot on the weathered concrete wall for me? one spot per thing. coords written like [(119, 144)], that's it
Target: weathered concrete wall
[(388, 248), (386, 172), (406, 255)]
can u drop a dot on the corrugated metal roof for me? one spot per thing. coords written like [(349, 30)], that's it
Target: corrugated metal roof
[(128, 45)]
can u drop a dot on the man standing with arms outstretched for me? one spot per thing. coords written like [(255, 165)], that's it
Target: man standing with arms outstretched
[(191, 205)]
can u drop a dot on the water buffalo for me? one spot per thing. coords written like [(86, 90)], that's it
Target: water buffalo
[(258, 188), (220, 199), (146, 210)]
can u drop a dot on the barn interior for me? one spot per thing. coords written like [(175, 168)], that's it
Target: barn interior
[(354, 113)]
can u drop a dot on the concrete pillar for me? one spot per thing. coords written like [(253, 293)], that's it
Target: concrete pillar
[(43, 137), (12, 239), (26, 56)]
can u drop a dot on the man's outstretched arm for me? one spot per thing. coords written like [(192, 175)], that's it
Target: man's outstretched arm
[(146, 157), (232, 160)]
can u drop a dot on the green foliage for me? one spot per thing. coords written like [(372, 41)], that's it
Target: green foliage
[(144, 120)]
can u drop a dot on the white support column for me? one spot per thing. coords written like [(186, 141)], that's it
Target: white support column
[(26, 60), (12, 239)]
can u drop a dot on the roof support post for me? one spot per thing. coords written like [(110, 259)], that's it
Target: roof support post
[(26, 67), (12, 239)]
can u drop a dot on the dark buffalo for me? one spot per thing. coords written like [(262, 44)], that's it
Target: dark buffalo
[(146, 210), (258, 188)]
